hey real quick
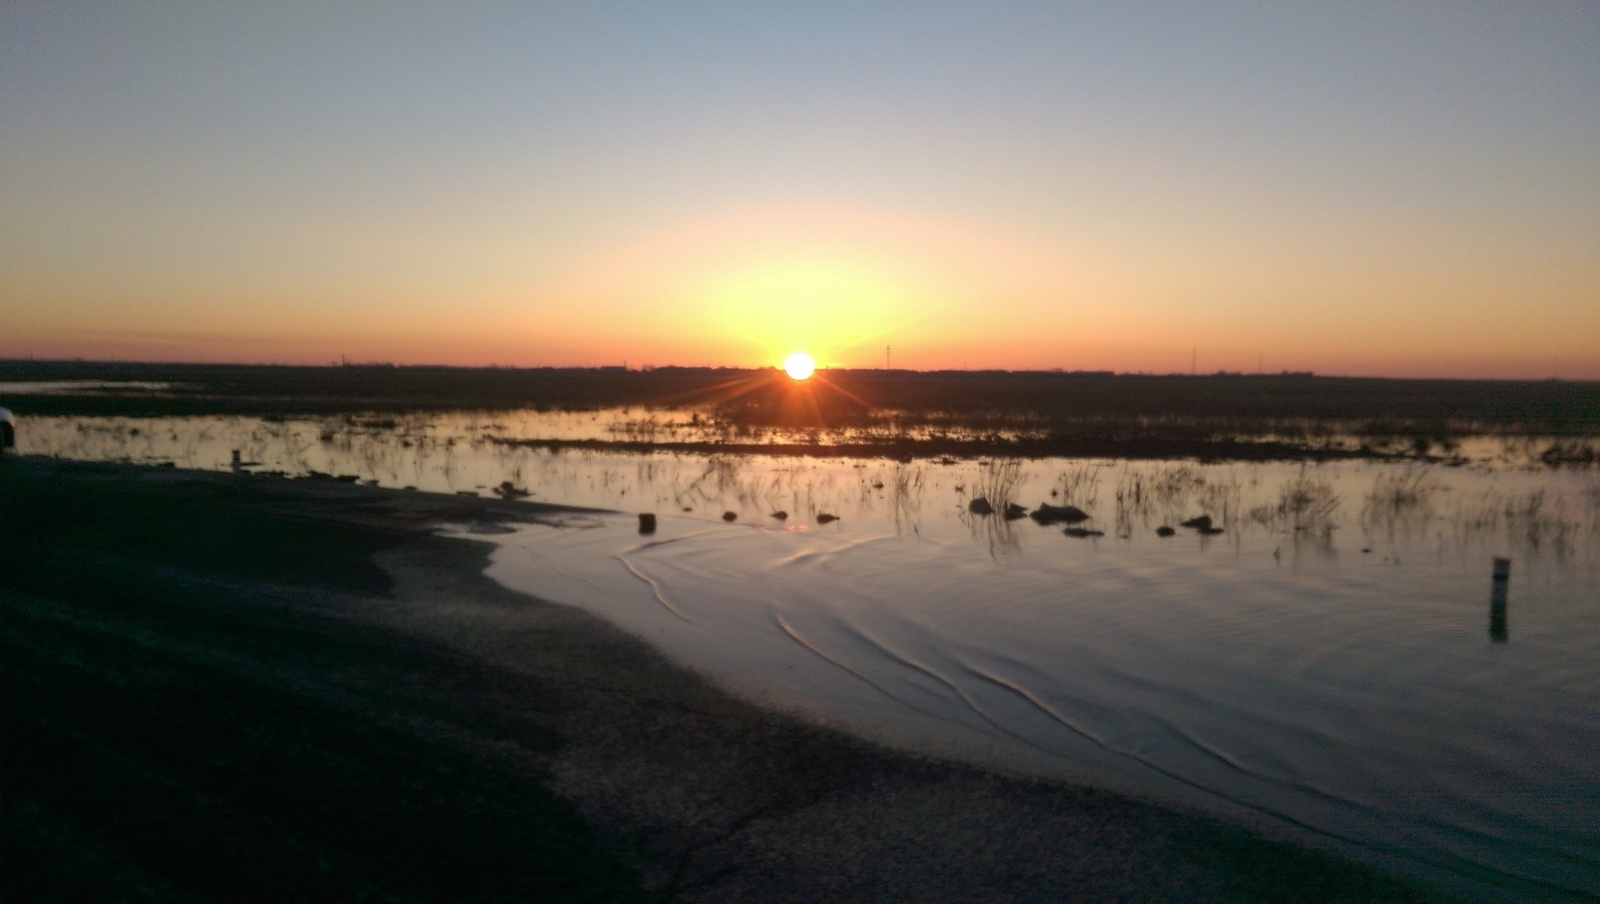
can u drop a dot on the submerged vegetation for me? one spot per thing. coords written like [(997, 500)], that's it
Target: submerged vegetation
[(997, 484), (1306, 504), (690, 453), (1390, 503), (877, 412)]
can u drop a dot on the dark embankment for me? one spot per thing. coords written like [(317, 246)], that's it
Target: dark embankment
[(188, 718), (234, 689)]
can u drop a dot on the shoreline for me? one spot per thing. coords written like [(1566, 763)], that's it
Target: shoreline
[(695, 794)]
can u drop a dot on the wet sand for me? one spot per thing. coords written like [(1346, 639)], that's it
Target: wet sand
[(222, 687)]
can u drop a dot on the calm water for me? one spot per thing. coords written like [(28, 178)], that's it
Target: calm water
[(1330, 661)]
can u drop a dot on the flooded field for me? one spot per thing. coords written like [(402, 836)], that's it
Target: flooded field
[(1329, 654)]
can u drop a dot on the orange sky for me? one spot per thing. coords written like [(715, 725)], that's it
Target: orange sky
[(1403, 192)]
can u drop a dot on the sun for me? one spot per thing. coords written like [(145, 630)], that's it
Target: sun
[(799, 365)]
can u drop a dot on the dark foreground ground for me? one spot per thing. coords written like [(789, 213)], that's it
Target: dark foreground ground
[(221, 689)]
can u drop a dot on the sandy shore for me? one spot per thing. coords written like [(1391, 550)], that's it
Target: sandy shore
[(259, 688)]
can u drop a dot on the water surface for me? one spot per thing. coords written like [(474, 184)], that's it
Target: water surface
[(1330, 662)]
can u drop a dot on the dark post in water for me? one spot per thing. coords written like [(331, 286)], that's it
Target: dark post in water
[(1497, 600)]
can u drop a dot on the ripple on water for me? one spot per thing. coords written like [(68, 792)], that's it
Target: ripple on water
[(1361, 699), (1340, 675)]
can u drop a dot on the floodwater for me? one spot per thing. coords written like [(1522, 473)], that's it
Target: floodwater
[(1336, 661), (75, 387)]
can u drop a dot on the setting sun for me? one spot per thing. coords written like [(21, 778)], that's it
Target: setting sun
[(799, 365)]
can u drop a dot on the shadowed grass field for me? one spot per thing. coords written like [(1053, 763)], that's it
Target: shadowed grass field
[(235, 689), (1102, 407)]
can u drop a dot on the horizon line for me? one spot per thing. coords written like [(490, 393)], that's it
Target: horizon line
[(649, 368)]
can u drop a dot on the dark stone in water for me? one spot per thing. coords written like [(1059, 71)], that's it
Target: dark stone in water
[(1164, 531), (980, 506), (688, 508), (1211, 531), (729, 516), (1202, 523), (509, 490), (1058, 514), (781, 516), (1083, 532), (647, 523), (1014, 511), (824, 518)]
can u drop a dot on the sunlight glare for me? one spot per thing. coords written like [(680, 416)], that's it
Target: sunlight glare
[(799, 365)]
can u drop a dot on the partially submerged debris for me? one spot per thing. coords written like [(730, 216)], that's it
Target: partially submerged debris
[(509, 490), (1058, 514)]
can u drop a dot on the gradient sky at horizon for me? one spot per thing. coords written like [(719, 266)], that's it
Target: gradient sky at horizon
[(1397, 189)]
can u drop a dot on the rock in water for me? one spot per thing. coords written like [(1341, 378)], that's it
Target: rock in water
[(980, 506), (1201, 523), (1164, 531), (824, 518), (1083, 532), (647, 523), (781, 516), (729, 516), (509, 490), (1059, 514), (1014, 511)]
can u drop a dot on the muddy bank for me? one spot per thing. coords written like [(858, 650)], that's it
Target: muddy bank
[(255, 688)]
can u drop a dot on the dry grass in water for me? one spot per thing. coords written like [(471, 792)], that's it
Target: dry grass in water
[(1078, 485), (997, 481)]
